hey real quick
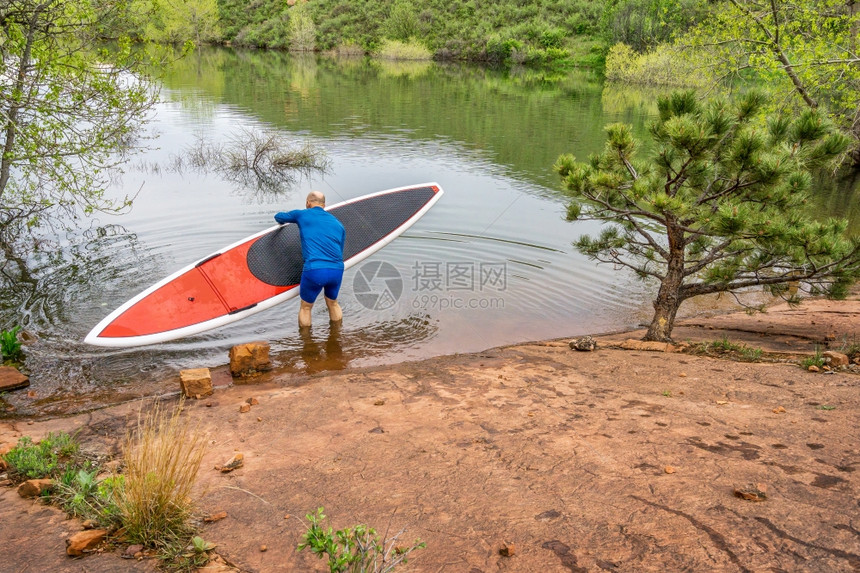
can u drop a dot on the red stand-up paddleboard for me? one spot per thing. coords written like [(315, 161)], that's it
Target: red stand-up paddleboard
[(256, 273)]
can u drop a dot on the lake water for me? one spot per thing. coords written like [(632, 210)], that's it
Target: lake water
[(491, 264)]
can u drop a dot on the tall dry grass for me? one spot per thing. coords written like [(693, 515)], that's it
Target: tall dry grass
[(162, 457)]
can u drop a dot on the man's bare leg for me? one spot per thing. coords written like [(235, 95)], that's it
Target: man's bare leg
[(335, 313), (305, 314)]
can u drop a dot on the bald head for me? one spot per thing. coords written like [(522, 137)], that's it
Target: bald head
[(315, 199)]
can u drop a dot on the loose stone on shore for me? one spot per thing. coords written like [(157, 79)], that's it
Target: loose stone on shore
[(756, 492), (35, 487), (835, 359), (237, 461), (218, 516), (583, 344), (508, 549), (84, 541), (196, 382)]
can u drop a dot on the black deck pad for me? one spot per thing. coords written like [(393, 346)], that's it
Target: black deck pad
[(276, 257)]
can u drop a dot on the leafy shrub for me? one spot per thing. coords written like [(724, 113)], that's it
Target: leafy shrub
[(402, 22), (188, 557), (724, 347), (552, 38), (48, 458), (74, 491), (644, 24), (501, 50), (302, 30), (663, 66)]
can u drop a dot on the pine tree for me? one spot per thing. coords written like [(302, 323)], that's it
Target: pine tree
[(719, 205)]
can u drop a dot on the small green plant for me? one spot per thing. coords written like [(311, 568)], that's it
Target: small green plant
[(49, 458), (748, 354), (199, 551), (78, 488), (725, 347), (81, 494), (826, 407), (356, 549), (851, 349), (667, 393), (200, 545), (186, 556), (816, 360), (10, 345)]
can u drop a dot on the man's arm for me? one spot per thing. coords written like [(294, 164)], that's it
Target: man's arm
[(286, 217)]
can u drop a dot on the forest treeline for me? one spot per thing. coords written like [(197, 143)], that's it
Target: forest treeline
[(500, 31)]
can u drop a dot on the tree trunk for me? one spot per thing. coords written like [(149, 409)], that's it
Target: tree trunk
[(669, 296), (10, 130), (665, 308)]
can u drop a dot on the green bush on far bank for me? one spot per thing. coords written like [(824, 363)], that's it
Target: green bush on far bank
[(663, 66), (397, 50)]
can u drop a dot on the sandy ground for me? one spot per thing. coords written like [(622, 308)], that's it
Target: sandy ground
[(613, 460)]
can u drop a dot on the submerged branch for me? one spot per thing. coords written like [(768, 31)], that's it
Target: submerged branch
[(264, 161)]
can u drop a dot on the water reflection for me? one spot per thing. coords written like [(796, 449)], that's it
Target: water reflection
[(333, 347), (838, 196), (319, 356), (522, 118)]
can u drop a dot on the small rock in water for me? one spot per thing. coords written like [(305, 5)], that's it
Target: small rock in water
[(250, 359)]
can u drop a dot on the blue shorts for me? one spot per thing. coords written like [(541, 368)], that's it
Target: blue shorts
[(315, 280)]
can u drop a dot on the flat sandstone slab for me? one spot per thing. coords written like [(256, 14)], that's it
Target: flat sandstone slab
[(12, 379)]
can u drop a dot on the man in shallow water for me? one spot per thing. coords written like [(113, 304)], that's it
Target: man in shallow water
[(322, 237)]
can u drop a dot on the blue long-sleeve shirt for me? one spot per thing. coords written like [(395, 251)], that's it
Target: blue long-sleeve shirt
[(322, 237)]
